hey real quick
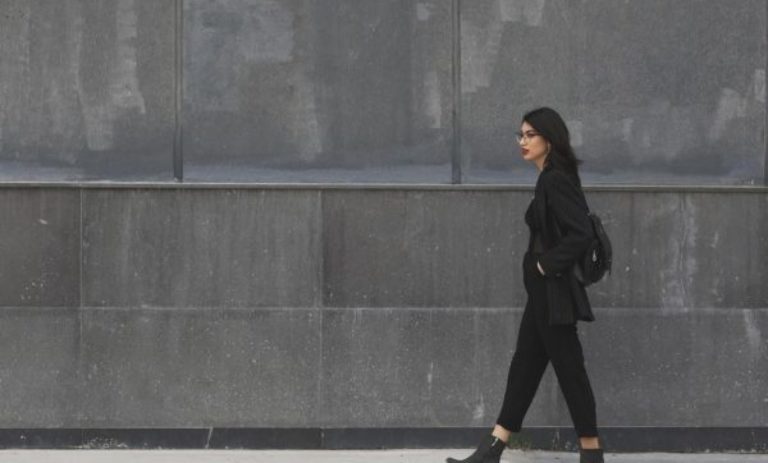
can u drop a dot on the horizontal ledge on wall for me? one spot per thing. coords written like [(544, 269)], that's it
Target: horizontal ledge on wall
[(675, 311), (379, 186), (615, 439)]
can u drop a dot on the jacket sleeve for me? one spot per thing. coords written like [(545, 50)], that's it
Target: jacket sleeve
[(564, 204)]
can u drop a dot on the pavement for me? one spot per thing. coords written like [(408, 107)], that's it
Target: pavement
[(346, 456)]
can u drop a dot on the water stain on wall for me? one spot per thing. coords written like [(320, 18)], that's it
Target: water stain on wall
[(423, 11), (74, 75), (231, 44), (528, 11), (225, 37), (481, 42), (433, 104), (679, 266), (101, 109), (731, 105), (759, 85)]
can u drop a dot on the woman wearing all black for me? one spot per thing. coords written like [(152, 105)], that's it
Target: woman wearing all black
[(560, 232)]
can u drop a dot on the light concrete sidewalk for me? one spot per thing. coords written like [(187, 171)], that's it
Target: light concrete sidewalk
[(342, 456)]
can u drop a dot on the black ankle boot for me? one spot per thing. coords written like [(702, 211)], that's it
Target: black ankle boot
[(489, 451), (591, 456)]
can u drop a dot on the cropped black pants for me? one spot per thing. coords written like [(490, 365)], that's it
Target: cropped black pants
[(538, 343)]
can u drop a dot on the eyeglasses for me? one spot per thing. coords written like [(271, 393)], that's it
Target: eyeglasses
[(527, 136)]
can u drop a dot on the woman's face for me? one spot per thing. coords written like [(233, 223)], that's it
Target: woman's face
[(533, 146)]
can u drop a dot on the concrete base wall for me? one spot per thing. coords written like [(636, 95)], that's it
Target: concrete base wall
[(364, 308)]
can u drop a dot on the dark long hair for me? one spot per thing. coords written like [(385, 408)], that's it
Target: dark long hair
[(551, 126)]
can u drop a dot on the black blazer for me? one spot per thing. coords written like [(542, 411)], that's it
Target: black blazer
[(559, 199)]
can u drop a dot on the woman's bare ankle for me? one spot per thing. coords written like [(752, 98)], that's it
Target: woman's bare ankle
[(589, 443), (502, 433)]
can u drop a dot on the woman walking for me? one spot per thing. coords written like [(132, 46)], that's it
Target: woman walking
[(560, 231)]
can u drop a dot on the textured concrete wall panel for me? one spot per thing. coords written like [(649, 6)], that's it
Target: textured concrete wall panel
[(425, 249), (222, 248), (196, 368), (86, 89), (39, 247), (303, 90), (684, 250), (680, 367), (440, 356), (654, 92), (39, 379)]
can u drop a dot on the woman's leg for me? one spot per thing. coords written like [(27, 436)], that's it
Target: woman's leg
[(502, 433), (525, 372), (565, 352)]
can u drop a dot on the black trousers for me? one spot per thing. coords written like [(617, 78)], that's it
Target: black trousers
[(538, 343)]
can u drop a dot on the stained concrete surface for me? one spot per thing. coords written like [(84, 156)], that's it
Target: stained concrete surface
[(643, 103), (654, 92), (87, 89), (305, 86), (39, 247), (175, 248)]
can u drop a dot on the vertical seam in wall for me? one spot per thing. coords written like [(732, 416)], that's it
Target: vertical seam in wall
[(456, 83), (81, 241), (178, 71), (80, 375), (320, 295), (765, 113), (320, 310), (318, 412)]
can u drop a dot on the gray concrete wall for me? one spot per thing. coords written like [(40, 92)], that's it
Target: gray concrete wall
[(190, 305), (665, 91), (183, 307)]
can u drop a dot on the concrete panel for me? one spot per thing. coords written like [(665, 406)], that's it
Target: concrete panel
[(422, 368), (302, 91), (198, 368), (424, 248), (448, 367), (201, 248), (700, 368), (39, 351), (684, 250), (654, 92), (39, 247), (87, 89)]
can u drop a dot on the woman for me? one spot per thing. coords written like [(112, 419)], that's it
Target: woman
[(560, 232)]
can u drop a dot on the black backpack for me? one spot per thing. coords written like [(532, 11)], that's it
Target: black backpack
[(598, 257)]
